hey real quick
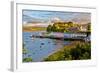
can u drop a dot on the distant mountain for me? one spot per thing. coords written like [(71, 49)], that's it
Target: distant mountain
[(55, 19), (28, 19), (78, 19)]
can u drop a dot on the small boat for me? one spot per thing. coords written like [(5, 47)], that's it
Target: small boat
[(42, 43)]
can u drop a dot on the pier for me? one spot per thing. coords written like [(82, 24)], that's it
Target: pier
[(64, 36)]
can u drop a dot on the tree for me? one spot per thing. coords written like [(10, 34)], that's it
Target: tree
[(54, 29), (89, 27), (49, 28), (70, 24)]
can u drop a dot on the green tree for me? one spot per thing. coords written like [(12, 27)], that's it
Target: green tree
[(49, 28), (89, 27), (70, 24), (54, 28)]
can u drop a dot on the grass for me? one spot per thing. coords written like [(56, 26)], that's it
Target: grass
[(31, 28)]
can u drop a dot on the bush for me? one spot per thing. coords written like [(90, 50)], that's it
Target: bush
[(80, 52), (49, 28), (27, 59)]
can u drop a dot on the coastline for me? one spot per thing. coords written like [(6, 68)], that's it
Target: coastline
[(67, 49)]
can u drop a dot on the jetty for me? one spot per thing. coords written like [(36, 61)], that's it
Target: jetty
[(64, 36)]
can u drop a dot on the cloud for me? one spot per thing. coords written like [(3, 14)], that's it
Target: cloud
[(52, 16)]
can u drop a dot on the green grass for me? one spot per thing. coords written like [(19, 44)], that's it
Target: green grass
[(30, 28)]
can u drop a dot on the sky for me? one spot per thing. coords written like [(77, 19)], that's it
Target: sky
[(48, 16)]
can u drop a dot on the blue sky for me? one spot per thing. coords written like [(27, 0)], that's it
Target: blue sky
[(36, 15)]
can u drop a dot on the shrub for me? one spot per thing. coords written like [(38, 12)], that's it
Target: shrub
[(27, 59), (81, 51)]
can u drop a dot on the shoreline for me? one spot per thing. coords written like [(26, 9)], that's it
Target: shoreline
[(66, 48), (60, 49)]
